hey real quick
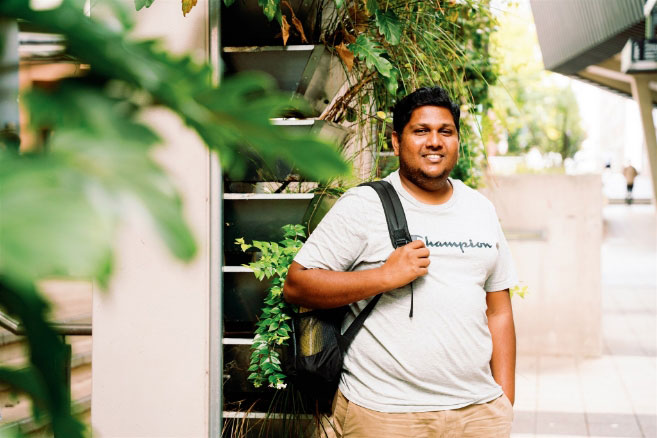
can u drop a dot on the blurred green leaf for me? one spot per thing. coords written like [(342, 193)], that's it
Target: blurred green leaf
[(47, 357), (372, 6), (65, 203), (185, 87), (53, 229), (143, 4)]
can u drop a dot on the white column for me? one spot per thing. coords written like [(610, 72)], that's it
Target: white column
[(642, 95), (156, 331)]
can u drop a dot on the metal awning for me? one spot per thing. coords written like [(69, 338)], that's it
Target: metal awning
[(583, 39)]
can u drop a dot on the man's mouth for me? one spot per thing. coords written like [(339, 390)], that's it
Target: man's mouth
[(434, 158)]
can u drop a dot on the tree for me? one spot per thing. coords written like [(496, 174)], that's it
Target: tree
[(532, 106), (61, 204)]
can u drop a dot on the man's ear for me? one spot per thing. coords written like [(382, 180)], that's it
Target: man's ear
[(395, 142)]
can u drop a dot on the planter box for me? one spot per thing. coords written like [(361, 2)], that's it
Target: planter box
[(257, 217), (309, 71), (243, 296), (253, 217), (259, 169), (244, 24), (244, 401)]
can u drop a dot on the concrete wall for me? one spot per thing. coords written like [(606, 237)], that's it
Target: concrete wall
[(561, 313), (152, 330)]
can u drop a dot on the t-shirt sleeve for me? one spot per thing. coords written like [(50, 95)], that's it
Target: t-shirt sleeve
[(503, 275), (339, 239)]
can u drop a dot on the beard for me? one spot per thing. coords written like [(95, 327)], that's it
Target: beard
[(419, 178)]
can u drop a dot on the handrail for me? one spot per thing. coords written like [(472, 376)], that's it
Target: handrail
[(64, 329)]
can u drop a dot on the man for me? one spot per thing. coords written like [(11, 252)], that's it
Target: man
[(630, 173), (446, 369)]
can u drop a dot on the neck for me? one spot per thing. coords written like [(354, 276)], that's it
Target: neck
[(437, 193)]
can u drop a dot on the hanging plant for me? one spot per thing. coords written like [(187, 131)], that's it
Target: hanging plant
[(272, 329)]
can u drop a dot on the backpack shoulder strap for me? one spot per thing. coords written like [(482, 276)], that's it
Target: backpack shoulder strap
[(399, 236), (395, 217)]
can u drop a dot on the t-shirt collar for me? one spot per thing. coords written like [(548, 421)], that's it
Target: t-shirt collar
[(395, 180)]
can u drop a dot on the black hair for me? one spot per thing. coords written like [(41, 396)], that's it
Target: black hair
[(425, 96)]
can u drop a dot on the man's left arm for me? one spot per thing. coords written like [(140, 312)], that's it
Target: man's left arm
[(502, 330)]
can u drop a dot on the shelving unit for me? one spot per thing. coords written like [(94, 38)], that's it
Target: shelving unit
[(310, 72)]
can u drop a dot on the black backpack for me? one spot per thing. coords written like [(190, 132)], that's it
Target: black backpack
[(317, 346)]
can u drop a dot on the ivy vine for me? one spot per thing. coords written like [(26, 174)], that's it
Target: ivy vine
[(272, 329)]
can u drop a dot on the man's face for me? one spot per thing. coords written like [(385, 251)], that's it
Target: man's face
[(428, 147)]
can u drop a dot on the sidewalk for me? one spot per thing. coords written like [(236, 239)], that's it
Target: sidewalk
[(614, 395)]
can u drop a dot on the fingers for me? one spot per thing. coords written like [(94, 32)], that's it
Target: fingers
[(421, 253), (416, 244)]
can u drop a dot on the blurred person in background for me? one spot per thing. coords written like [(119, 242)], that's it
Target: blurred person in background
[(630, 173)]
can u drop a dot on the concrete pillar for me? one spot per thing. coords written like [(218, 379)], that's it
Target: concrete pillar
[(156, 332), (642, 95)]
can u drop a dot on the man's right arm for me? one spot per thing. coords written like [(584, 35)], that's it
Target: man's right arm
[(324, 289)]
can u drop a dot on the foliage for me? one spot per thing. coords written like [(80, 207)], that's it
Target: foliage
[(519, 290), (401, 46), (91, 162), (394, 47), (272, 330), (554, 125)]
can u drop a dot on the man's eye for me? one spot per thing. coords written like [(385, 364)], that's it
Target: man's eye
[(446, 131), (419, 131)]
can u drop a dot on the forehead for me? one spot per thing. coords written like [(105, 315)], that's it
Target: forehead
[(431, 115)]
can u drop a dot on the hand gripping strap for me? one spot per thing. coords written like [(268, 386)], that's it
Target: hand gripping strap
[(395, 217)]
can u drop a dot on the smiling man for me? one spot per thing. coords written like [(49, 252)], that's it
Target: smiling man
[(446, 369)]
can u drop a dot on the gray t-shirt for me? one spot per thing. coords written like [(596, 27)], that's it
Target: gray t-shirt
[(440, 358)]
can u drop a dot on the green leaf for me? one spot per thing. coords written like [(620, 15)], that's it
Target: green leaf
[(372, 7), (139, 4), (281, 332), (238, 112), (65, 203), (389, 26), (228, 2), (270, 8), (367, 50), (25, 380), (54, 228), (43, 380), (339, 4)]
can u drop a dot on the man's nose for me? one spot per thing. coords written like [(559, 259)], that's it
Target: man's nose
[(434, 140)]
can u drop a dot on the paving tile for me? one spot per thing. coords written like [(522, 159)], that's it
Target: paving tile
[(614, 395), (526, 383), (613, 425), (561, 423), (558, 385), (639, 376), (524, 422), (648, 425), (602, 388)]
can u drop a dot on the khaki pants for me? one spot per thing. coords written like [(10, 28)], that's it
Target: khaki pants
[(488, 420)]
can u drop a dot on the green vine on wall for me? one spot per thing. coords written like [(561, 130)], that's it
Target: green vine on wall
[(272, 330)]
